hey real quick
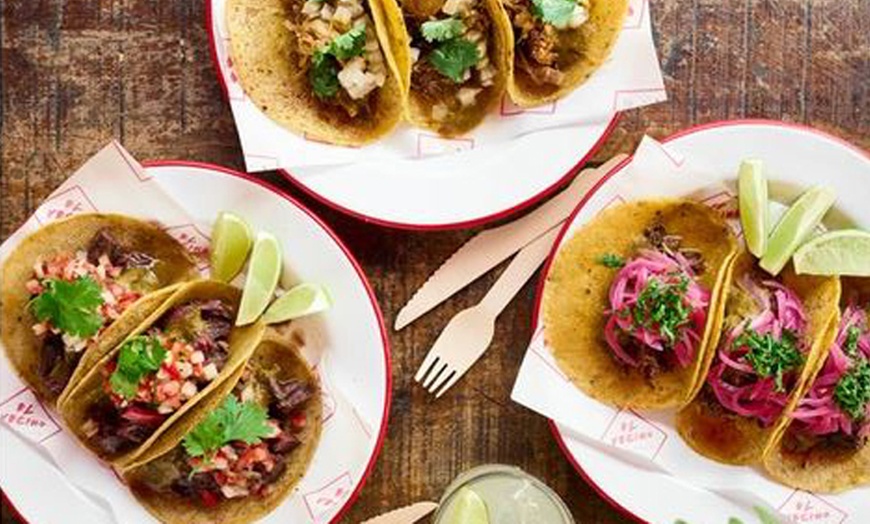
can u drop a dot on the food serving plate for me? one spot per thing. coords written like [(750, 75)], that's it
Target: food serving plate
[(354, 362), (795, 158)]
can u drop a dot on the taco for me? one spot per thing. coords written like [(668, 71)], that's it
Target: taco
[(773, 333), (558, 44), (824, 442), (632, 300), (73, 289), (177, 356), (320, 68), (236, 456), (459, 59)]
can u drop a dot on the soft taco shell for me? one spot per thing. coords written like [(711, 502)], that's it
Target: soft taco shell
[(419, 110), (732, 439), (576, 298), (265, 57), (278, 356), (242, 342), (821, 470), (69, 235), (586, 48)]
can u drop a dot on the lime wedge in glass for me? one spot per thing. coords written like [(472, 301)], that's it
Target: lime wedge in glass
[(754, 208), (263, 273), (231, 241), (302, 300), (466, 508), (796, 226), (844, 252)]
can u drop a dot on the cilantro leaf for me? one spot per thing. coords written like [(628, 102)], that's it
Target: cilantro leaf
[(442, 30), (612, 261), (852, 392), (73, 307), (661, 306), (323, 75), (349, 44), (137, 357), (853, 335), (454, 57), (771, 357), (232, 421), (557, 13)]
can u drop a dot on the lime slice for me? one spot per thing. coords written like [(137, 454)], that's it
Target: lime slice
[(796, 226), (466, 508), (302, 300), (262, 278), (844, 252), (754, 208), (230, 244)]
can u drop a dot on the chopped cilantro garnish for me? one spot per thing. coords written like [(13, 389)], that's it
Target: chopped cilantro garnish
[(454, 57), (853, 390), (349, 44), (232, 421), (557, 13), (323, 75), (853, 335), (612, 261), (442, 30), (138, 357), (660, 306), (73, 307), (771, 357)]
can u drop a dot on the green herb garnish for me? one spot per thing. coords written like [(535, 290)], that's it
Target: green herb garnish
[(442, 30), (349, 44), (612, 261), (853, 390), (771, 357), (853, 335), (323, 73), (138, 357), (557, 13), (72, 307), (454, 57), (232, 421), (660, 306)]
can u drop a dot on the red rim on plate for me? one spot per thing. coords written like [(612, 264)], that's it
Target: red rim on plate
[(474, 222), (371, 295), (546, 270)]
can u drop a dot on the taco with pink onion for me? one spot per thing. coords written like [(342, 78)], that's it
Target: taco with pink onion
[(823, 444), (633, 301), (775, 329)]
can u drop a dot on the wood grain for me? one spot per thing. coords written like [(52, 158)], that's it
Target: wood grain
[(76, 73)]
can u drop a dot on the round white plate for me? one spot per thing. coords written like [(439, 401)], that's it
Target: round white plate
[(797, 157), (356, 346), (450, 191)]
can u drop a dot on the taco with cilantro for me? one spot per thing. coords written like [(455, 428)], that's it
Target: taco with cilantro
[(775, 329), (558, 44), (633, 301), (183, 351), (238, 454), (320, 68), (457, 53), (72, 290), (823, 444)]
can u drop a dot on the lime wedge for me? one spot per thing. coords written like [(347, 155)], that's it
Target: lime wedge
[(302, 300), (754, 208), (230, 244), (796, 226), (466, 508), (262, 278), (844, 252)]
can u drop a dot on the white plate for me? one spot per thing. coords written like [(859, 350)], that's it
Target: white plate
[(356, 345), (797, 158), (449, 191)]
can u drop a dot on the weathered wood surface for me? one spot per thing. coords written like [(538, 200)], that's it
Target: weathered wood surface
[(76, 73)]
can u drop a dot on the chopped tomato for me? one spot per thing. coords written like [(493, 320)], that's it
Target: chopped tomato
[(298, 421), (209, 499)]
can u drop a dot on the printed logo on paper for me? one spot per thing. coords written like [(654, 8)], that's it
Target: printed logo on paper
[(508, 108), (234, 87), (436, 145), (329, 498), (24, 413), (630, 431), (72, 201), (195, 241), (804, 507)]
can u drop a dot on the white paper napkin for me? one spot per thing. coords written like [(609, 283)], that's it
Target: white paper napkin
[(648, 439), (630, 78)]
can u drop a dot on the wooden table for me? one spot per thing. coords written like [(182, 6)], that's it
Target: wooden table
[(77, 73)]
